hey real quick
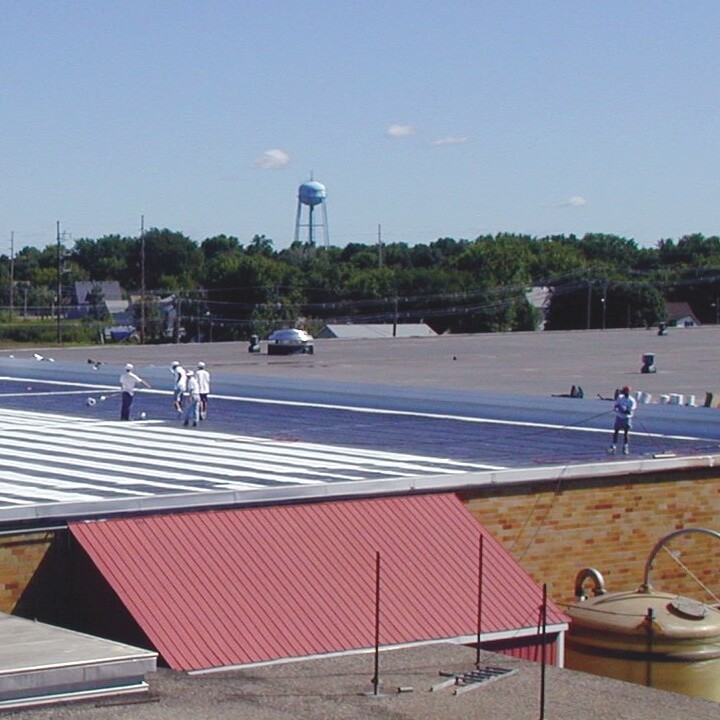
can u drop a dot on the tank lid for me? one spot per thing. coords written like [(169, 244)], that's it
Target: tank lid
[(689, 608), (627, 612)]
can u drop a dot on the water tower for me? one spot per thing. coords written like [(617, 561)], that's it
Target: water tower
[(312, 194)]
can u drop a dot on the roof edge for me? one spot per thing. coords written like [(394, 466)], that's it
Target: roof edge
[(460, 640), (85, 511)]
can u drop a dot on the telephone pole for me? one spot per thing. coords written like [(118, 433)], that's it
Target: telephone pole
[(12, 274), (142, 279), (59, 285), (380, 246)]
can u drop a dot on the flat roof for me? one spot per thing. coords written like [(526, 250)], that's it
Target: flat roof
[(524, 363), (289, 429), (42, 664)]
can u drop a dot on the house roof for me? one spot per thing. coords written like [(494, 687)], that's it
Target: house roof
[(116, 306), (375, 330), (110, 289), (679, 310), (236, 587)]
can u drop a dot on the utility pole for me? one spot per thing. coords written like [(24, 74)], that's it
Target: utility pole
[(12, 274), (380, 246), (142, 279), (589, 302), (59, 284), (178, 315)]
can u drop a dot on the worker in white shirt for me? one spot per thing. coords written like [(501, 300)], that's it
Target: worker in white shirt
[(203, 380), (192, 395), (624, 410), (128, 380), (179, 385)]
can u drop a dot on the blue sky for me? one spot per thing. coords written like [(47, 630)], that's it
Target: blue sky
[(429, 119)]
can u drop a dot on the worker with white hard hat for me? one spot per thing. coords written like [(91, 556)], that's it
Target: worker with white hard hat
[(624, 410), (128, 380), (203, 380), (192, 408), (179, 384)]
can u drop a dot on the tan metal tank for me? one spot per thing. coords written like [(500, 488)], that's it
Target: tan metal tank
[(645, 636)]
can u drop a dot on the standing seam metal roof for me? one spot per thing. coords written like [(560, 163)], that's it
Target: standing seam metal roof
[(233, 587)]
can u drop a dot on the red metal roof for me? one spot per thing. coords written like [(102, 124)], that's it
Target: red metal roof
[(232, 587)]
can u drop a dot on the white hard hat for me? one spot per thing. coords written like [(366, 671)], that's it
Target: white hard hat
[(175, 363), (201, 364), (129, 366), (190, 372)]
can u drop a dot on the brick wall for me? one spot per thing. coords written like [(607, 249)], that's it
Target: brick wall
[(553, 530), (20, 558), (612, 525)]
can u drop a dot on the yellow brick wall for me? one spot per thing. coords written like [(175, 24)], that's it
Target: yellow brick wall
[(553, 530), (20, 557), (611, 525)]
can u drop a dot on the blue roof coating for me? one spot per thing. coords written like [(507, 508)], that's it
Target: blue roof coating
[(263, 440)]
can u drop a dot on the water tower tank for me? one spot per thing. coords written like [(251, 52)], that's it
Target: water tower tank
[(312, 193)]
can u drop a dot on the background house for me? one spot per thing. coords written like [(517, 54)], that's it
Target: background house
[(96, 298), (680, 314)]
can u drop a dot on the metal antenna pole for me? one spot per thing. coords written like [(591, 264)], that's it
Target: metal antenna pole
[(479, 600), (543, 639), (376, 675)]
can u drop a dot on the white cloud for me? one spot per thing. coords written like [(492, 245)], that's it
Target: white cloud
[(399, 131), (450, 140), (272, 159), (576, 201)]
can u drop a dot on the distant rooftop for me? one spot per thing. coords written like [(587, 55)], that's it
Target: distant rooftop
[(375, 330)]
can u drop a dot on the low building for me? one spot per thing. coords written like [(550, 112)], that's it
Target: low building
[(367, 331), (98, 299), (680, 314)]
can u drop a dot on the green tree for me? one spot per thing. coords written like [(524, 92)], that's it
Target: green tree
[(500, 261), (237, 284), (362, 257), (110, 257), (261, 245), (597, 304), (172, 261), (690, 251), (601, 249), (218, 246), (553, 257)]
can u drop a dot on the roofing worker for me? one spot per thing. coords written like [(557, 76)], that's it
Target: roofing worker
[(192, 409), (128, 381), (203, 380), (179, 384), (624, 410)]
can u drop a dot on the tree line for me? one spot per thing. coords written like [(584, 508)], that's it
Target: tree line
[(233, 290)]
